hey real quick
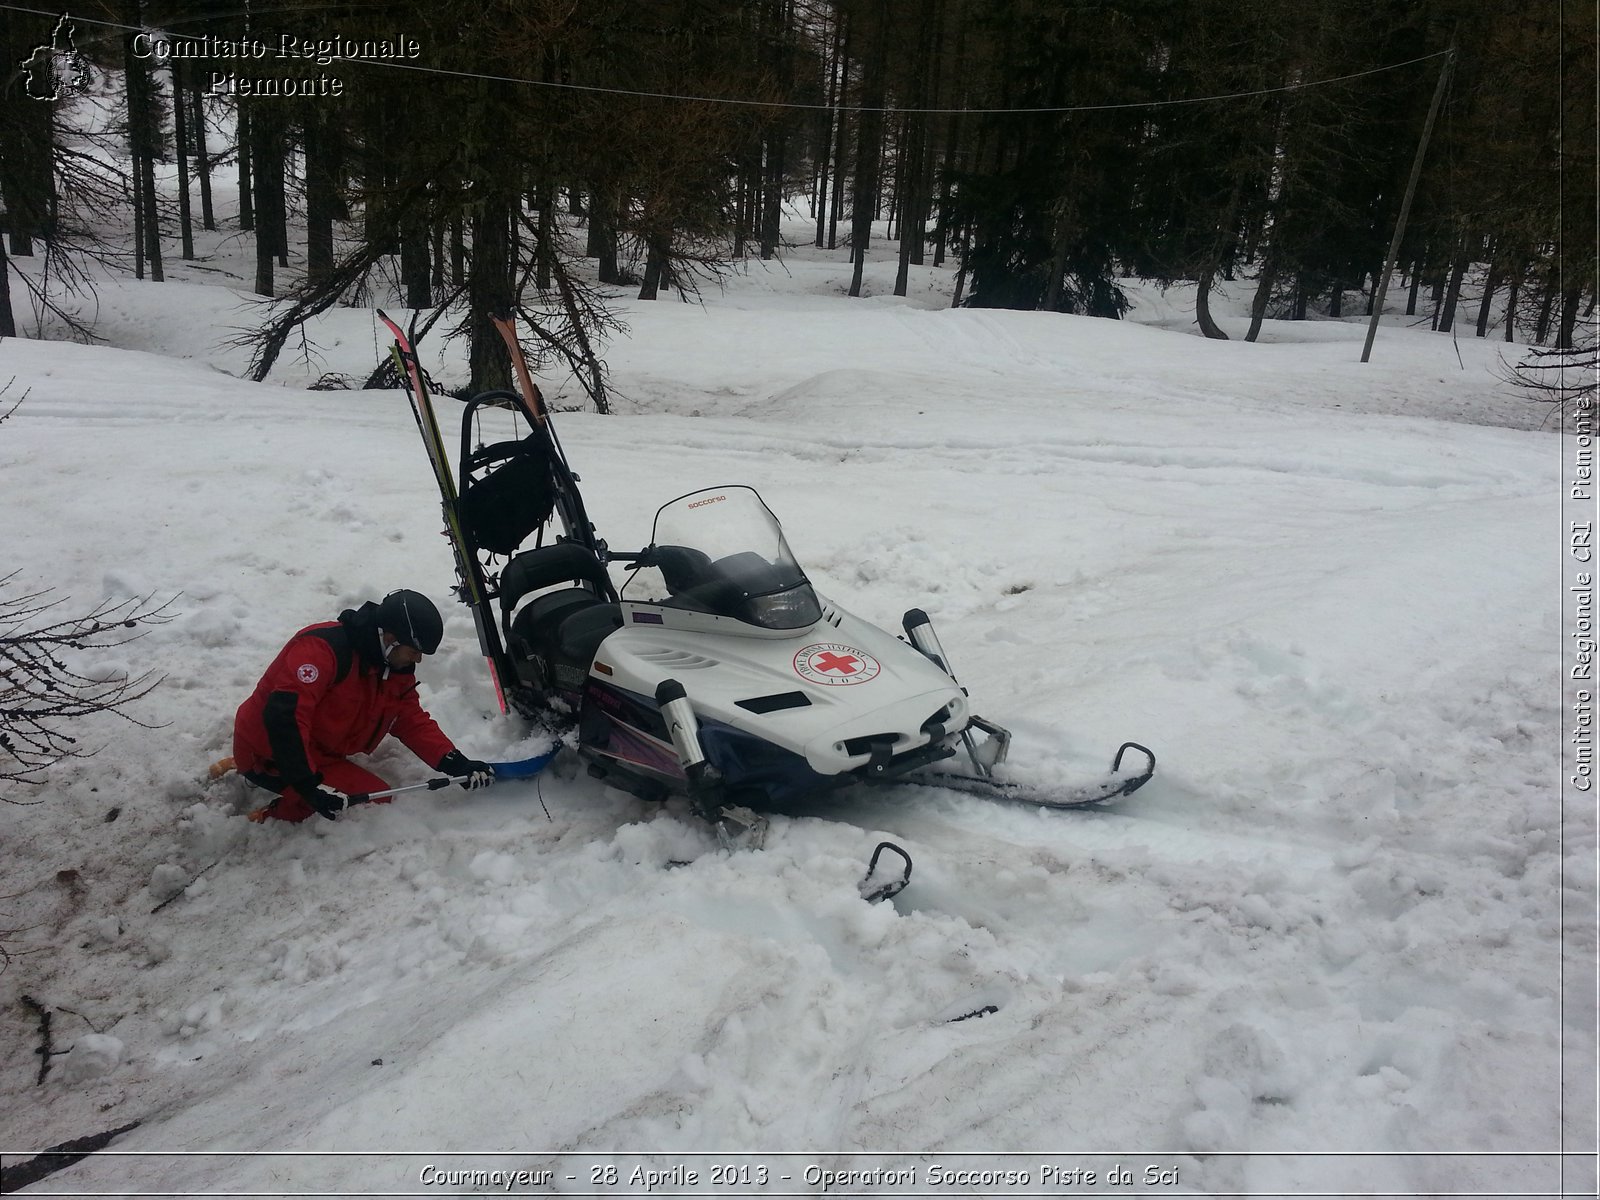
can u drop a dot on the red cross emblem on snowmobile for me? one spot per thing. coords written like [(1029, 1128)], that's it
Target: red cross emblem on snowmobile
[(832, 663)]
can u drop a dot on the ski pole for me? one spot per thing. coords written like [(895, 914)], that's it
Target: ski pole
[(524, 768), (433, 785)]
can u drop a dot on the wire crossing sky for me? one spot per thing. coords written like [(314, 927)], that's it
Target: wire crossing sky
[(746, 102)]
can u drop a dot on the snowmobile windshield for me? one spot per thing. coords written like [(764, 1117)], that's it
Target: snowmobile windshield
[(722, 551)]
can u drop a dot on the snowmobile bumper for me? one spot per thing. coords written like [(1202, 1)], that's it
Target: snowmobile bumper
[(885, 766)]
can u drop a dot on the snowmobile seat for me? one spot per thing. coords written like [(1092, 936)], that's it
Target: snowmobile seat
[(546, 566), (563, 628), (580, 633), (544, 613)]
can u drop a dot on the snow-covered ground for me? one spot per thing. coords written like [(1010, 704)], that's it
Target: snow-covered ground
[(1322, 952)]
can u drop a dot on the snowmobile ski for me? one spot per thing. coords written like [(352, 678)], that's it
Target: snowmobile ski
[(1087, 795)]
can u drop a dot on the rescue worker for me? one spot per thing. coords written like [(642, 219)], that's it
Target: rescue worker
[(339, 688)]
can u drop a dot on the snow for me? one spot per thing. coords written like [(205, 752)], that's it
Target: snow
[(1321, 951)]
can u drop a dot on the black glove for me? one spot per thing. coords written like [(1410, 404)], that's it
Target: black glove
[(323, 801), (469, 772)]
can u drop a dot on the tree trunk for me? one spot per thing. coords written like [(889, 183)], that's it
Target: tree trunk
[(152, 221), (602, 242), (321, 196), (772, 199), (910, 203), (1490, 285), (262, 152), (941, 228), (1202, 306), (247, 207), (138, 221), (1263, 297), (490, 291), (950, 148), (961, 272), (592, 232), (180, 132), (27, 170), (1061, 247), (869, 148), (141, 123), (8, 319), (1437, 300), (1411, 296), (741, 206), (825, 161), (202, 157), (1547, 298), (896, 190), (546, 198), (654, 266), (1570, 302), (280, 195), (1512, 294), (415, 273), (912, 194), (932, 84), (840, 135), (1336, 299), (776, 149), (1452, 293)]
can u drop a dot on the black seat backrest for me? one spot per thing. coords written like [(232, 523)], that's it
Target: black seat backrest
[(750, 571), (516, 496), (680, 566), (565, 562)]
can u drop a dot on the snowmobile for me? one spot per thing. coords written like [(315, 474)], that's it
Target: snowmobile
[(717, 670)]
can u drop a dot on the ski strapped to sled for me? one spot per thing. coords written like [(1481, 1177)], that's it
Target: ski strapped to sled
[(576, 526), (469, 571), (1087, 795)]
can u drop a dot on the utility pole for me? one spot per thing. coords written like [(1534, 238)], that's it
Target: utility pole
[(1405, 204)]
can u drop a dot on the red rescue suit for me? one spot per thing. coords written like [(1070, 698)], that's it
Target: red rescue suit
[(325, 697)]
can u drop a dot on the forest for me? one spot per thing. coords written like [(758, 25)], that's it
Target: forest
[(473, 158)]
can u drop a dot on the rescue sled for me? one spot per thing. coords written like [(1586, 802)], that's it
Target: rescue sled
[(716, 670)]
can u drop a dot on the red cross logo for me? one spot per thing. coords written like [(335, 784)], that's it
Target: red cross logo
[(845, 664), (831, 663)]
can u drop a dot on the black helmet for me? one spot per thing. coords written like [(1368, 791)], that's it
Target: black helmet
[(413, 619)]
